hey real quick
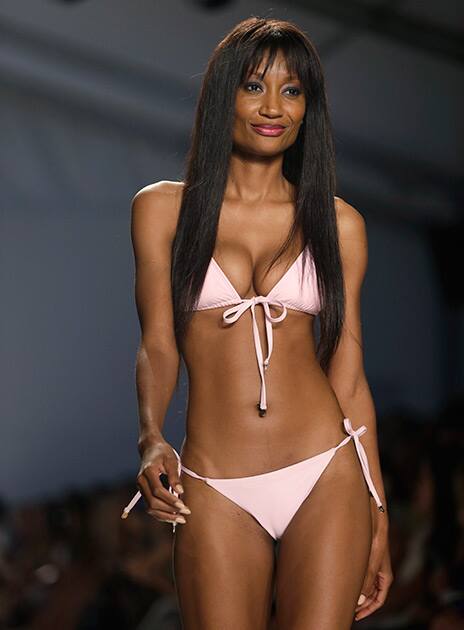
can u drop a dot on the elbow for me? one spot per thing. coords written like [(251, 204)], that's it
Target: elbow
[(161, 358), (350, 389), (159, 347)]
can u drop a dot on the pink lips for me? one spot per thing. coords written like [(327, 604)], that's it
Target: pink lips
[(269, 130)]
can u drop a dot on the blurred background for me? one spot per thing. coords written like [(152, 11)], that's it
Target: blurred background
[(97, 101)]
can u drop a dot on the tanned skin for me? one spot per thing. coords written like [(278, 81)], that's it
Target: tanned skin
[(336, 546)]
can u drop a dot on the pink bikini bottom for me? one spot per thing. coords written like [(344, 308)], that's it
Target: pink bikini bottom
[(274, 497)]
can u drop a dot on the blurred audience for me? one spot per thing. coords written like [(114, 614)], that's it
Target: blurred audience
[(73, 564)]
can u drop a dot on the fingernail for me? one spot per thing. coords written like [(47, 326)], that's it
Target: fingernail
[(180, 519), (178, 488), (185, 510), (179, 504), (362, 598)]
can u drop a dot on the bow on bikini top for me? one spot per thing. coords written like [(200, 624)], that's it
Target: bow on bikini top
[(289, 292)]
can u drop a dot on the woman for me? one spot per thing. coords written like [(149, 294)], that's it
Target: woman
[(233, 266)]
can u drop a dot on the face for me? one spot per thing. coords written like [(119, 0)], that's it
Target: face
[(268, 111)]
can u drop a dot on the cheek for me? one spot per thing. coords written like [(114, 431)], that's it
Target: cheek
[(242, 111), (241, 119), (239, 127), (299, 111)]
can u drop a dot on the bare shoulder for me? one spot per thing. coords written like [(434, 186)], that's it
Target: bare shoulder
[(154, 215), (350, 222), (352, 239), (162, 188), (161, 200)]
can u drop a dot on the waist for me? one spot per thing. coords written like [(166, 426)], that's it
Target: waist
[(240, 446), (224, 432), (229, 385)]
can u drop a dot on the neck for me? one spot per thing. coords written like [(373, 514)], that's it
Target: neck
[(253, 179)]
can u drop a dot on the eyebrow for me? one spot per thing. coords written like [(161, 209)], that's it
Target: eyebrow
[(286, 77)]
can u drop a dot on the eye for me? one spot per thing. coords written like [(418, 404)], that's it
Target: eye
[(296, 90), (251, 85)]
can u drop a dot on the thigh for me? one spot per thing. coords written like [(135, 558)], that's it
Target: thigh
[(223, 563), (323, 554)]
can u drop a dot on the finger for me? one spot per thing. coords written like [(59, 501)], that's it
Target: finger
[(380, 593), (367, 593), (366, 597), (151, 472), (367, 601), (171, 465), (374, 604), (144, 488), (159, 504), (167, 517), (158, 490)]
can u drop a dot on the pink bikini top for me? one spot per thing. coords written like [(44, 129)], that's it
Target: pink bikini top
[(289, 292)]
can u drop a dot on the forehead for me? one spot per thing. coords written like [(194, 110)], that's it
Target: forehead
[(279, 67)]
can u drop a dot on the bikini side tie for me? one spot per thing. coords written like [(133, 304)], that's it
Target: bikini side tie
[(355, 433)]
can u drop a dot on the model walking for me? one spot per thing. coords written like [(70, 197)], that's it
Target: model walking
[(278, 488)]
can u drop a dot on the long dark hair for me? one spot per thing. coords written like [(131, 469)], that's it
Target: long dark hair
[(309, 164)]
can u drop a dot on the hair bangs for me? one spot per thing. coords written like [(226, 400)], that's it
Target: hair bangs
[(267, 46)]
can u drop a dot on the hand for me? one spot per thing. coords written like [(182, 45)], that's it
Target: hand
[(378, 578), (159, 458)]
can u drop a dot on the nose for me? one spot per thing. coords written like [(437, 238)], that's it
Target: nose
[(270, 105)]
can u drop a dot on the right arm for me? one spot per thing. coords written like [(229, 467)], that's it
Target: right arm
[(154, 213)]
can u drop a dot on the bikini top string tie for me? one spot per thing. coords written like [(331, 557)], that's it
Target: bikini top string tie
[(232, 314), (363, 458)]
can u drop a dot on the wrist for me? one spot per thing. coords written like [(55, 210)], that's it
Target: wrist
[(380, 521), (149, 440)]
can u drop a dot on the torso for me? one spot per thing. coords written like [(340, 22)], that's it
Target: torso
[(225, 436)]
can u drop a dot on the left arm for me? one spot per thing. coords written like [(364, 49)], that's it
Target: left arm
[(346, 369)]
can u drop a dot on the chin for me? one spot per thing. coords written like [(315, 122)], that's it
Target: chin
[(260, 148), (268, 154)]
